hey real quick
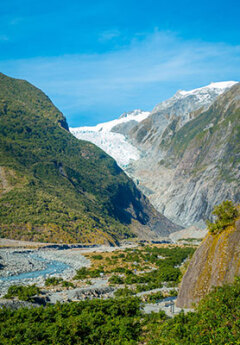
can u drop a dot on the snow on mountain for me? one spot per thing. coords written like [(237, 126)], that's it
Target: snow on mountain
[(185, 102), (219, 87), (194, 99), (110, 136), (115, 144)]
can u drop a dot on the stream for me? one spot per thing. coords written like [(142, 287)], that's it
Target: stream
[(51, 267)]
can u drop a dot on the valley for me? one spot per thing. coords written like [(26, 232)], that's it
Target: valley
[(148, 271), (92, 252)]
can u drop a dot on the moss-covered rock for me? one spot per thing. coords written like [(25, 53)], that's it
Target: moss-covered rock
[(216, 262)]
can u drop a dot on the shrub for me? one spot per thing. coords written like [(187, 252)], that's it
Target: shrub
[(23, 293), (226, 214), (125, 292), (115, 280), (53, 281), (97, 257)]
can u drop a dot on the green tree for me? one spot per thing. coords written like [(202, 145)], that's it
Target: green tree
[(226, 214)]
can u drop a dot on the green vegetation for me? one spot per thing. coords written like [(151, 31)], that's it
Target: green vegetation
[(97, 257), (144, 268), (54, 281), (23, 293), (124, 292), (216, 321), (102, 322), (57, 188), (165, 261), (121, 322), (84, 273), (116, 280), (154, 297), (226, 214)]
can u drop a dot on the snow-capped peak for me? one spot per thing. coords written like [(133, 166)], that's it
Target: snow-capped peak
[(218, 87), (183, 102)]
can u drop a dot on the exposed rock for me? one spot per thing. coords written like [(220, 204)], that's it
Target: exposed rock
[(216, 262), (197, 167)]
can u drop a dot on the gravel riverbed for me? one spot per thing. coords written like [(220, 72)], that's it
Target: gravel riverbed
[(25, 267)]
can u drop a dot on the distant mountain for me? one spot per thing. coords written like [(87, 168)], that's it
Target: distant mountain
[(168, 170), (56, 188), (174, 113)]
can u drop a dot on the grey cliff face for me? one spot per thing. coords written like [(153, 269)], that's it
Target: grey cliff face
[(191, 157)]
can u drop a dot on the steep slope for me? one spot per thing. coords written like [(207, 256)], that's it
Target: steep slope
[(216, 262), (56, 188), (195, 166), (174, 113)]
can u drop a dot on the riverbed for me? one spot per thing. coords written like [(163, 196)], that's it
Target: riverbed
[(25, 267)]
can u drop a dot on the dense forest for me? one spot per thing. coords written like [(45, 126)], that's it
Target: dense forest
[(122, 322)]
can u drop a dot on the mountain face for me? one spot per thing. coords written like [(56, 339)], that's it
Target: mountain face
[(216, 262), (187, 147), (56, 188), (195, 166), (173, 113)]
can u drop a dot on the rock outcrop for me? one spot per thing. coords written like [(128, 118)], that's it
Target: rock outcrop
[(216, 262)]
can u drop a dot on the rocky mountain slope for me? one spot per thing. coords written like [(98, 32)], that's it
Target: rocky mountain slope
[(196, 166), (184, 158), (216, 262), (56, 188)]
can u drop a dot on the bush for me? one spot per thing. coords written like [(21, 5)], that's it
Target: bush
[(84, 273), (53, 281), (154, 297), (97, 257), (23, 293), (115, 280), (215, 321), (96, 322), (226, 214), (125, 292)]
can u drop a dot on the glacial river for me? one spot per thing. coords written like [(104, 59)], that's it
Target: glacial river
[(52, 267)]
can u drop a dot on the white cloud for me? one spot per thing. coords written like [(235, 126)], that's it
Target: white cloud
[(137, 73)]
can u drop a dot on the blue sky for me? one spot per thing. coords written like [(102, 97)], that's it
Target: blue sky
[(98, 59)]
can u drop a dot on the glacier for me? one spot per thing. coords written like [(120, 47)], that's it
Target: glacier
[(114, 144)]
